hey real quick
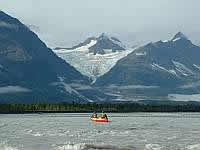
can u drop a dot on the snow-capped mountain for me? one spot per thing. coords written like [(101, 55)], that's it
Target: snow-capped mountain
[(99, 45), (95, 56), (105, 43), (157, 69)]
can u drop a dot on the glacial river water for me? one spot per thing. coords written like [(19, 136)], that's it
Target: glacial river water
[(132, 131)]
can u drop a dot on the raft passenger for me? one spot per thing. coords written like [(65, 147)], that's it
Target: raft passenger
[(104, 116), (94, 115)]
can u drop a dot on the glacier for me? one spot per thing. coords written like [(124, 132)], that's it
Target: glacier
[(89, 64)]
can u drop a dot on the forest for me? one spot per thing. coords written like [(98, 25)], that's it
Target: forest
[(90, 107)]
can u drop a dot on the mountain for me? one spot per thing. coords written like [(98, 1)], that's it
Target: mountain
[(95, 56), (103, 43), (31, 72), (156, 70), (99, 45)]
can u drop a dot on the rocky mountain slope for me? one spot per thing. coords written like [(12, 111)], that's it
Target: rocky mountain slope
[(31, 72), (157, 69), (99, 45)]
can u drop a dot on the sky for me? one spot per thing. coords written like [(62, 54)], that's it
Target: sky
[(68, 22)]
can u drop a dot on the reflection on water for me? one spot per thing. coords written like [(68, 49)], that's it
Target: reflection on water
[(131, 131)]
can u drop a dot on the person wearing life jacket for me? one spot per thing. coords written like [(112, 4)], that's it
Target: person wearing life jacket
[(94, 115), (104, 116)]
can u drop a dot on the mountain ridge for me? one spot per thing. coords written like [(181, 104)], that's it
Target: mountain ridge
[(29, 68), (100, 44), (167, 65)]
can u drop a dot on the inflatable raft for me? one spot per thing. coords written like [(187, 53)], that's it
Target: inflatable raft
[(99, 119)]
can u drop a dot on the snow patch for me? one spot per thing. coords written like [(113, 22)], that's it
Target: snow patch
[(171, 71), (86, 47), (176, 39), (165, 41), (141, 54), (158, 66), (182, 72), (182, 68), (198, 67)]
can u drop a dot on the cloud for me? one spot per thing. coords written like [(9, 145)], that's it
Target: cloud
[(191, 85), (132, 87), (13, 89), (7, 25), (180, 97), (81, 87)]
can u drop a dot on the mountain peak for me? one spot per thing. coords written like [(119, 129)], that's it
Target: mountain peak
[(178, 36), (103, 36)]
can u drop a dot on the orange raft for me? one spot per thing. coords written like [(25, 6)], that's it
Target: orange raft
[(99, 119)]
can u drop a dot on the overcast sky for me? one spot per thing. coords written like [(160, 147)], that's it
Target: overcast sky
[(67, 22)]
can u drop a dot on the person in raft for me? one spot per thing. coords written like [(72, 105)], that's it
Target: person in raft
[(94, 115), (104, 116)]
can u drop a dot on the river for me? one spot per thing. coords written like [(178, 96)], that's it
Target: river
[(125, 131)]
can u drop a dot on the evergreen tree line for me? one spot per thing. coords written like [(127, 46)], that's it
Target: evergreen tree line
[(90, 107)]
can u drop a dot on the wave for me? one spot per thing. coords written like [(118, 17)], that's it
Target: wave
[(193, 147), (31, 132), (37, 134), (92, 147), (152, 147), (5, 146), (3, 125), (71, 147)]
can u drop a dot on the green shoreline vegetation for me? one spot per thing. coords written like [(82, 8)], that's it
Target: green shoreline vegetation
[(90, 107)]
